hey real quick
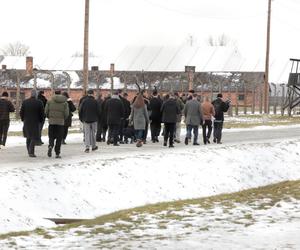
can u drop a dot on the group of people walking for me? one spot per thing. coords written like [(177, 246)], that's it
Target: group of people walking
[(116, 120)]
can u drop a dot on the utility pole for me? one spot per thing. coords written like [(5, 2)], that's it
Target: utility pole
[(266, 80), (86, 47)]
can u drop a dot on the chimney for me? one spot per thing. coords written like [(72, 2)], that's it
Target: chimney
[(29, 65)]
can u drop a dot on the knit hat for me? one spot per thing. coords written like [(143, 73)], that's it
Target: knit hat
[(5, 94)]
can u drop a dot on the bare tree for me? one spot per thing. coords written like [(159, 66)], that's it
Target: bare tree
[(15, 49), (221, 40), (79, 54)]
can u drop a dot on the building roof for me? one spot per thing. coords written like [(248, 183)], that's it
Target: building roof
[(165, 59)]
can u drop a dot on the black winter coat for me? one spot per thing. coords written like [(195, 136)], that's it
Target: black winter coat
[(89, 110), (5, 108), (32, 114), (72, 108), (127, 108), (220, 107), (170, 109), (114, 109), (155, 109)]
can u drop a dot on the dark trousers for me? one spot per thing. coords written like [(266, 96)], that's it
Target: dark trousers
[(145, 132), (30, 143), (169, 132), (99, 132), (41, 125), (218, 126), (207, 125), (4, 125), (104, 131), (155, 128), (122, 126), (189, 129), (66, 130), (113, 133), (55, 133)]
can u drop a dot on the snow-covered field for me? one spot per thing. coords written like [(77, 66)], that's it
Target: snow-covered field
[(100, 184)]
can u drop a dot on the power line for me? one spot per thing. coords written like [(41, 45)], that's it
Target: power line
[(198, 15)]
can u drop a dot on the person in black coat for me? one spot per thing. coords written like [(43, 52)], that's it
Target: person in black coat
[(6, 107), (89, 113), (127, 109), (100, 124), (155, 116), (68, 121), (43, 99), (220, 107), (32, 114), (114, 109), (170, 109)]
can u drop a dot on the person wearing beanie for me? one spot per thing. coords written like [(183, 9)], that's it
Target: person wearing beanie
[(57, 111), (220, 107), (89, 113), (68, 121), (114, 111), (32, 114), (43, 99), (169, 109), (155, 104), (6, 107)]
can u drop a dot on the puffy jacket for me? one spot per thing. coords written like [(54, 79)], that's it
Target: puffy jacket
[(57, 110)]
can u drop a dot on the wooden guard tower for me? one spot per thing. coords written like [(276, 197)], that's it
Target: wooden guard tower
[(293, 92)]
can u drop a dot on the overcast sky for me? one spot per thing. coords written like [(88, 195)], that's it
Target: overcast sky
[(55, 27)]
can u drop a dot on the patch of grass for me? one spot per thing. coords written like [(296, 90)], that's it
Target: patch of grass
[(263, 197)]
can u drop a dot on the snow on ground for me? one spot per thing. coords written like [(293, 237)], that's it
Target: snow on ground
[(103, 184)]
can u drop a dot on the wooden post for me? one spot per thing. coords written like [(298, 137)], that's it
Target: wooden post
[(253, 99), (245, 98), (112, 71), (282, 99), (266, 80), (86, 47), (18, 96), (237, 100)]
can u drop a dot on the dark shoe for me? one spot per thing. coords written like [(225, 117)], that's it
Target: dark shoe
[(38, 143), (156, 140), (121, 142), (176, 141), (196, 144), (87, 150), (116, 144), (139, 143), (32, 155), (186, 141), (207, 140), (165, 143), (171, 146), (218, 142), (63, 142), (49, 153), (58, 157), (214, 140), (108, 142), (94, 148)]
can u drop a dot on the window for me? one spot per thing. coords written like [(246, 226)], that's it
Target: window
[(241, 97)]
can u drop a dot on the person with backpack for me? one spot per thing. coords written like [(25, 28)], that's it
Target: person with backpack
[(220, 107)]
